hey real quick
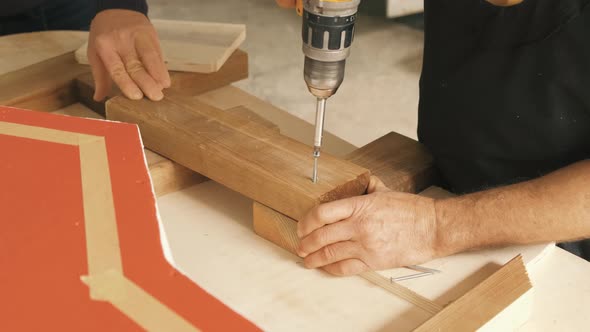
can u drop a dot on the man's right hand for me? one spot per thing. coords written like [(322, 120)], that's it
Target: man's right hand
[(286, 3)]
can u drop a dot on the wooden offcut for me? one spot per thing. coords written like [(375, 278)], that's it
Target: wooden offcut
[(199, 47), (240, 154)]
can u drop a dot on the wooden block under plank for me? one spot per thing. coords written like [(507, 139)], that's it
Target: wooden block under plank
[(240, 154), (399, 161), (45, 86), (167, 176), (191, 84)]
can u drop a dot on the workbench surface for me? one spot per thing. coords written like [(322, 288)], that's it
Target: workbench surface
[(208, 234)]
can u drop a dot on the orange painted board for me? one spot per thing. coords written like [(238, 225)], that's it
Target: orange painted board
[(44, 244)]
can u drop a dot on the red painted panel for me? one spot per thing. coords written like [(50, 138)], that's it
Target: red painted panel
[(42, 242)]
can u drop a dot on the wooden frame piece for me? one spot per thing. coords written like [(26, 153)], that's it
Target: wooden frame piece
[(502, 302)]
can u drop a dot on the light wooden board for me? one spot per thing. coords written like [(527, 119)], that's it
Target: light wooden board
[(241, 154), (210, 242), (198, 47), (21, 50)]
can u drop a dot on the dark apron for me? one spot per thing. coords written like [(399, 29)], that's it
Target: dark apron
[(50, 15), (505, 91)]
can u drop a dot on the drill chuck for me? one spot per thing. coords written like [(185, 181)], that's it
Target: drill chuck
[(323, 78), (328, 32)]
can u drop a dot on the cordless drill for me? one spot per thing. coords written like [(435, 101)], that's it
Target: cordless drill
[(328, 32)]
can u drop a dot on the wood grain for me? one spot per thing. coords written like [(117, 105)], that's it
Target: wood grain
[(240, 154), (291, 126), (198, 47), (190, 84), (487, 300), (21, 50), (44, 86), (400, 162)]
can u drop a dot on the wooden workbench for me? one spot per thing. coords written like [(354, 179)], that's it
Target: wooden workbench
[(208, 234)]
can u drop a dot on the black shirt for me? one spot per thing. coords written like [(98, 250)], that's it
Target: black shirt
[(505, 91)]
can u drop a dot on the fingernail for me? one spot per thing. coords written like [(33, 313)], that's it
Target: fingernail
[(158, 96), (136, 95), (301, 253)]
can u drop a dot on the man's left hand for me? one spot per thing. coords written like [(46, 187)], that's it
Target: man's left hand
[(381, 230)]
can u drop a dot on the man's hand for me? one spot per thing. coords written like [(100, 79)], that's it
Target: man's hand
[(381, 230), (123, 46)]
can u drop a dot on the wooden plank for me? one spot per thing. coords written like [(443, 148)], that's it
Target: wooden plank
[(290, 125), (45, 86), (199, 47), (167, 176), (191, 84), (250, 115), (507, 292), (24, 49), (240, 154)]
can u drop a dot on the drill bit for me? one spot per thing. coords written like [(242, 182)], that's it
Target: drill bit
[(319, 132)]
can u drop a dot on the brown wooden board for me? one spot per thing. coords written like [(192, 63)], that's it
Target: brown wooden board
[(400, 162), (240, 154), (44, 86), (290, 125)]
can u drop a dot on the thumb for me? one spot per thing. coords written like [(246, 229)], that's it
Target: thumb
[(376, 185)]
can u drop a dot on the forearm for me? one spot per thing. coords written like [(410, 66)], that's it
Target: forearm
[(555, 207)]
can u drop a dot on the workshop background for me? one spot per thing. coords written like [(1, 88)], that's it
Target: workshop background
[(380, 89)]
